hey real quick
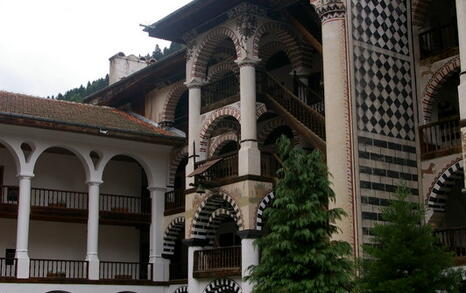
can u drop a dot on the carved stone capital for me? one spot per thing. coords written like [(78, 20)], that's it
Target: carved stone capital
[(245, 15), (331, 9), (247, 61)]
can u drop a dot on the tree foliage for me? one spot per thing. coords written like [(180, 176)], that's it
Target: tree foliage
[(406, 256), (297, 254)]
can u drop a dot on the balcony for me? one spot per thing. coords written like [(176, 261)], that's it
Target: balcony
[(440, 138), (7, 268), (220, 93), (62, 205), (438, 40), (125, 271), (455, 239), (174, 202), (58, 269), (217, 262)]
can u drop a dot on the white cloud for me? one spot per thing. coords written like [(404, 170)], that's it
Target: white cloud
[(49, 46)]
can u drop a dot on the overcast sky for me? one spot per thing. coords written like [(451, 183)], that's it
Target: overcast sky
[(50, 46)]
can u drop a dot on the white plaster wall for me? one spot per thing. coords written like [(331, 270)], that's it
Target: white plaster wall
[(118, 243), (155, 100), (122, 178), (92, 288), (8, 235), (10, 171)]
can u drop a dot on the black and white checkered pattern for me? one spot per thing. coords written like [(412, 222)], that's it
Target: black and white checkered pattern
[(381, 23), (384, 94), (223, 286)]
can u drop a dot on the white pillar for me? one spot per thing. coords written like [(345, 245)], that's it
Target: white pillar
[(22, 232), (249, 155), (249, 257), (160, 264), (194, 127), (193, 283), (92, 254), (461, 18)]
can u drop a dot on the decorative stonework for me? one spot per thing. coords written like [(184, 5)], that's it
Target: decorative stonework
[(169, 106), (245, 16), (263, 205), (216, 143), (223, 286), (209, 123), (178, 156), (331, 9), (173, 231), (182, 289)]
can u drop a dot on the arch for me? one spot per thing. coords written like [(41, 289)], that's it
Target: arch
[(292, 43), (420, 11), (219, 141), (171, 234), (209, 123), (271, 48), (169, 105), (435, 83), (178, 156), (222, 285), (219, 216), (145, 166), (200, 223), (265, 203), (217, 70), (269, 126), (182, 289), (58, 291), (15, 151), (207, 47), (436, 199), (84, 158)]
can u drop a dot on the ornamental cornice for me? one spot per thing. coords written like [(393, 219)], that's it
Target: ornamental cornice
[(331, 9), (245, 16)]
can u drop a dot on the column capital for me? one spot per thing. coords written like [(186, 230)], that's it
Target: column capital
[(156, 188), (94, 182), (25, 175), (330, 9), (247, 61), (195, 83)]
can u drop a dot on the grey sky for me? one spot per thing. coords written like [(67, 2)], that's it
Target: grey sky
[(49, 46)]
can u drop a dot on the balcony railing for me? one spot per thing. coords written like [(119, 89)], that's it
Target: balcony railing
[(174, 201), (7, 268), (227, 167), (178, 271), (438, 39), (224, 259), (58, 269), (442, 137), (454, 239), (269, 164), (125, 271), (62, 199), (219, 90)]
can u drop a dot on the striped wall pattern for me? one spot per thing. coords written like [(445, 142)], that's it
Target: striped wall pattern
[(177, 157), (218, 217), (200, 226), (216, 143), (265, 203), (207, 47), (223, 286), (267, 127), (451, 176), (169, 106), (216, 71), (285, 35), (209, 123), (182, 289), (173, 231), (429, 98)]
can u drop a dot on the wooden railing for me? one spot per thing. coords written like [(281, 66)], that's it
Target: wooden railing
[(221, 89), (111, 270), (308, 96), (178, 271), (55, 198), (454, 239), (7, 267), (269, 164), (175, 201), (58, 269), (308, 116), (124, 204), (227, 167), (440, 137), (438, 39), (217, 259)]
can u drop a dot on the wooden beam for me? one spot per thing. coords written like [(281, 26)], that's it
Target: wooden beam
[(307, 35)]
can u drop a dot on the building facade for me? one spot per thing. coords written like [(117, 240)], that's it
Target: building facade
[(376, 85)]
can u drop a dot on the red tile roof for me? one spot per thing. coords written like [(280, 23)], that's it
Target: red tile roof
[(75, 114)]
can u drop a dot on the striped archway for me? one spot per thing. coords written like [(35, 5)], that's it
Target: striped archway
[(202, 220), (223, 286), (448, 178), (171, 234), (182, 289), (177, 156), (169, 105), (264, 204)]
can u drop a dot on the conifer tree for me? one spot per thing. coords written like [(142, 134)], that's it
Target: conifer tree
[(297, 254), (406, 256)]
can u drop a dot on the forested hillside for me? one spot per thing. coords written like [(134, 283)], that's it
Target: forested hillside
[(79, 93)]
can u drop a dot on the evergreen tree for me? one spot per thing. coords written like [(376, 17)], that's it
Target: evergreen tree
[(157, 53), (406, 256), (297, 254)]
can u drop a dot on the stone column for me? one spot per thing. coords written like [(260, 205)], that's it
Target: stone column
[(22, 232), (92, 255), (194, 127), (193, 283), (249, 256), (249, 155), (338, 112), (160, 265), (461, 18)]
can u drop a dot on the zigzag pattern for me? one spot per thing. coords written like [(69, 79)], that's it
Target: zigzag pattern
[(223, 286), (171, 234)]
